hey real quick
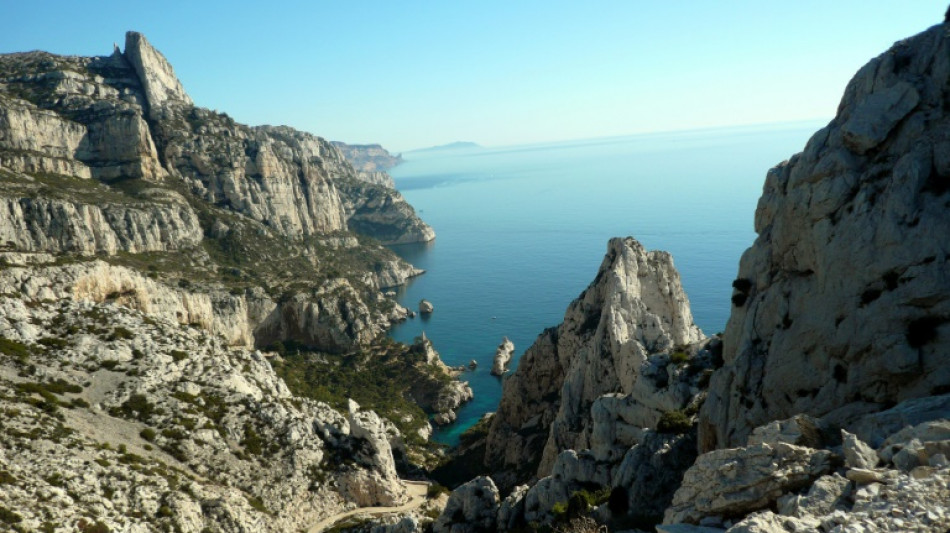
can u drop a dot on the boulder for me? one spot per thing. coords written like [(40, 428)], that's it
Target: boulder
[(857, 454), (471, 508), (737, 481), (425, 307)]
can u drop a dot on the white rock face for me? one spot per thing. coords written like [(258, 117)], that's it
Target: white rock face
[(841, 304), (86, 117), (635, 307), (503, 354), (53, 225), (155, 72)]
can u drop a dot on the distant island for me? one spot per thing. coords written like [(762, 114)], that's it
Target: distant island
[(458, 145)]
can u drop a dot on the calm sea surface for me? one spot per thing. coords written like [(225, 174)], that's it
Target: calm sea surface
[(522, 230)]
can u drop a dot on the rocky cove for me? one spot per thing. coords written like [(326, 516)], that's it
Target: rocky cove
[(177, 290)]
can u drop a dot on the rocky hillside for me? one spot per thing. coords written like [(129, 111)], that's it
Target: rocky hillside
[(108, 156), (186, 313), (126, 118)]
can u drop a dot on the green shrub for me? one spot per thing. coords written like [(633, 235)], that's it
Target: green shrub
[(252, 441), (435, 490), (9, 517), (121, 332), (674, 422), (679, 357), (178, 355), (15, 349)]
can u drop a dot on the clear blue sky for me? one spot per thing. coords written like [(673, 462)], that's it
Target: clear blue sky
[(410, 74)]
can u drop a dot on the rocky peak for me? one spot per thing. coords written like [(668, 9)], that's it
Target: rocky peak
[(635, 307), (155, 73)]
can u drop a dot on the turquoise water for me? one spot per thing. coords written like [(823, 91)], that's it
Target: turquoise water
[(522, 230)]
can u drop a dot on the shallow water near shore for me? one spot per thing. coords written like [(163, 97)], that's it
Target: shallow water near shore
[(522, 230)]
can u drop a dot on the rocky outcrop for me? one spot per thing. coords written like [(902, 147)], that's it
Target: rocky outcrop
[(503, 354), (425, 306), (634, 308), (471, 508), (440, 397), (779, 486), (335, 319), (842, 303), (382, 213), (155, 73), (737, 481)]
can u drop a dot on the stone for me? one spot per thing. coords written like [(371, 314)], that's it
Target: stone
[(800, 430), (653, 470), (857, 454), (472, 507), (737, 481), (809, 333), (503, 355), (863, 476), (511, 511), (425, 307), (826, 494), (874, 118)]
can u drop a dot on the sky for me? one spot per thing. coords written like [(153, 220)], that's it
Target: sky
[(412, 74)]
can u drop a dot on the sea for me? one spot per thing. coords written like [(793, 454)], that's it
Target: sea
[(522, 230)]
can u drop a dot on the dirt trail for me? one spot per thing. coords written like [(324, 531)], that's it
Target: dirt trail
[(417, 496)]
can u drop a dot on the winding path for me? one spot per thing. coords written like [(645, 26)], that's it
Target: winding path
[(417, 496)]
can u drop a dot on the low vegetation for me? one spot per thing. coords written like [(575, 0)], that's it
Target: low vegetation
[(384, 378)]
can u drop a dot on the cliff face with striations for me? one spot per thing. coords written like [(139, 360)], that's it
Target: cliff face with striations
[(843, 302)]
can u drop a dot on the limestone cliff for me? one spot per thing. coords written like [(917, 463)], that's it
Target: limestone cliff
[(842, 304), (109, 156), (634, 308)]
